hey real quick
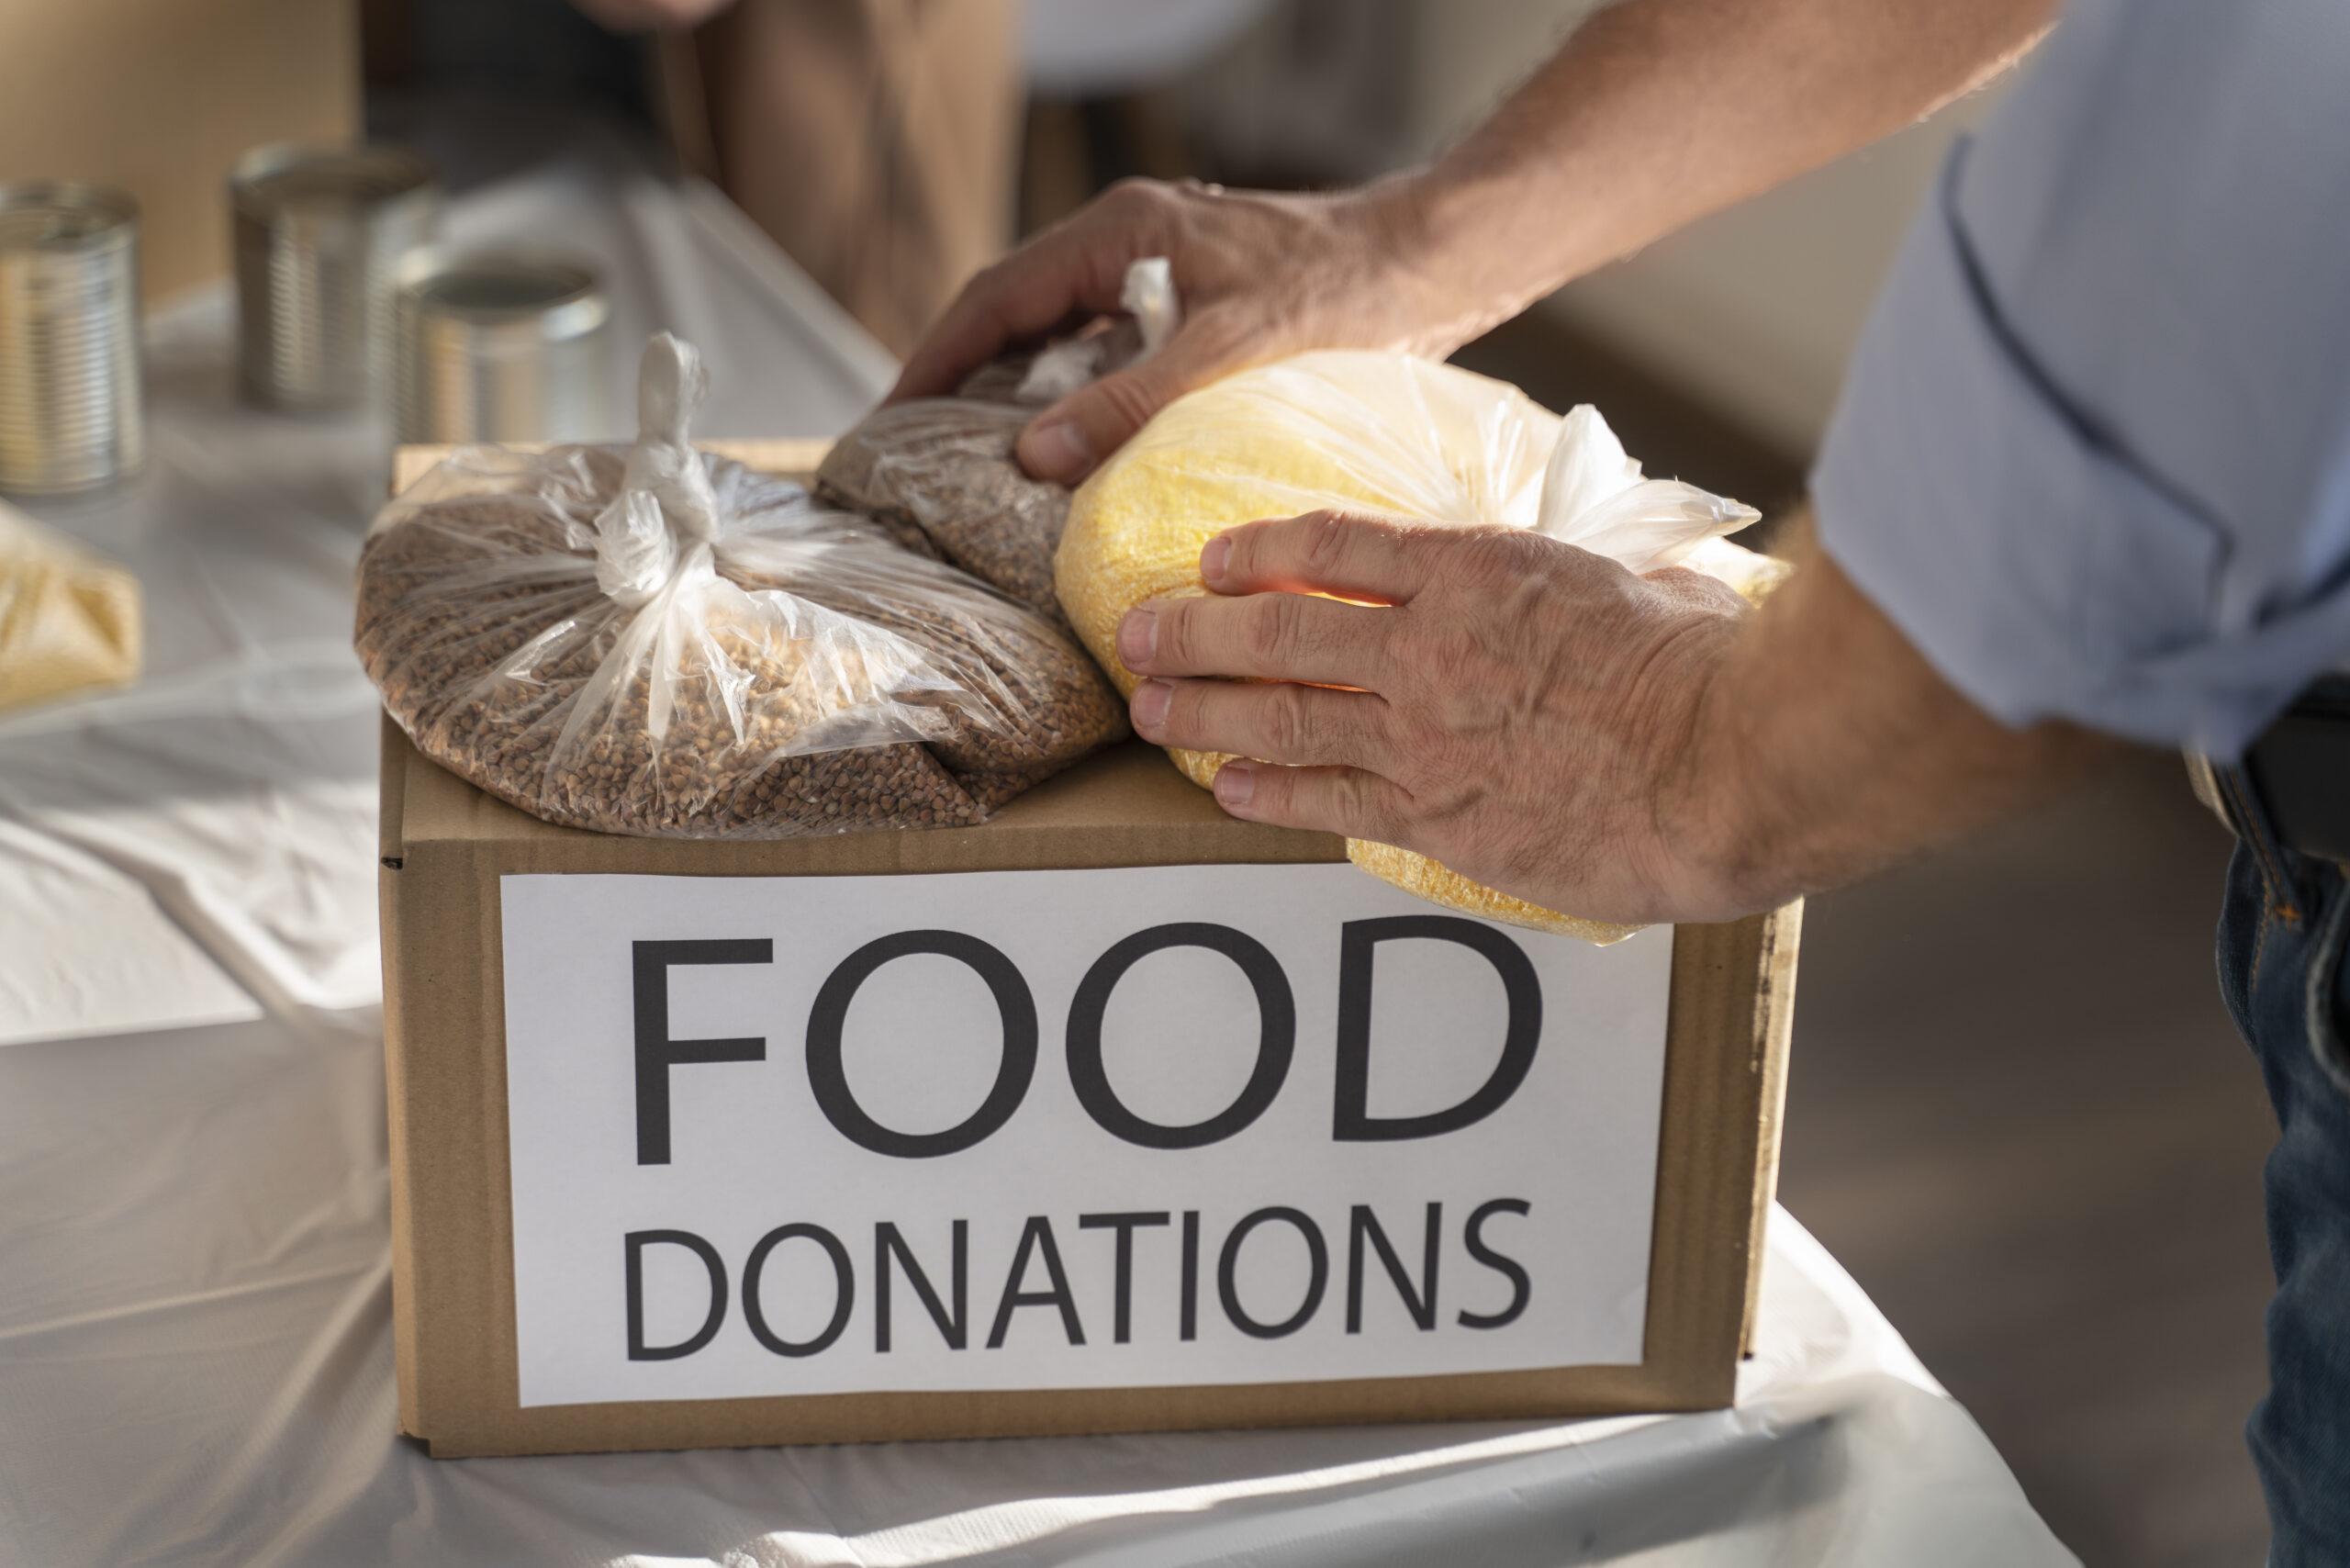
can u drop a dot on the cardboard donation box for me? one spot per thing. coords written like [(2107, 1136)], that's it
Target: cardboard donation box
[(1112, 1114)]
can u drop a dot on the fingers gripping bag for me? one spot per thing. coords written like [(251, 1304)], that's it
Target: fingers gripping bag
[(945, 468), (663, 643), (1389, 434)]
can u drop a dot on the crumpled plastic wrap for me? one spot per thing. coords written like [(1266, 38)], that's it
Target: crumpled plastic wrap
[(944, 466), (666, 643), (68, 618), (1387, 434)]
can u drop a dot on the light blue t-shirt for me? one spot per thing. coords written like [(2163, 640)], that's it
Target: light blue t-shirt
[(2093, 454)]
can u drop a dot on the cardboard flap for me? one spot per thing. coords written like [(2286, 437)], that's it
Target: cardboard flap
[(391, 786), (1126, 805)]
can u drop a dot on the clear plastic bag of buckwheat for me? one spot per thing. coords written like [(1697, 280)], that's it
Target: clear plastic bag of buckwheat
[(656, 641)]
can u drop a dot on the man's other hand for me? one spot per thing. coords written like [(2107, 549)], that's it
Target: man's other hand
[(1259, 278), (1517, 709)]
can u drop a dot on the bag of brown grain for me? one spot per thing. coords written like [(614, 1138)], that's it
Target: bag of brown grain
[(666, 643), (946, 466)]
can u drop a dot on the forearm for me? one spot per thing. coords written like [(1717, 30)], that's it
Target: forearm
[(1825, 747), (1656, 112)]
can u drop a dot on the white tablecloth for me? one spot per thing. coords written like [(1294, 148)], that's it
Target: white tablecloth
[(195, 1361)]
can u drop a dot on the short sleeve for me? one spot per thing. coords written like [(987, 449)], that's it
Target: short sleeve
[(2093, 453)]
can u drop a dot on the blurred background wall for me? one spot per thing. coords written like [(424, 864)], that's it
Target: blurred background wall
[(158, 98)]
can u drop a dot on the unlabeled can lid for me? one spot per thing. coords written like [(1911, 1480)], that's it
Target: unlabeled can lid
[(286, 177), (505, 286), (60, 214)]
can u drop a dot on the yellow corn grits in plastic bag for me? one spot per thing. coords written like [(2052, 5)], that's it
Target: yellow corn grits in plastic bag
[(70, 620), (1396, 436)]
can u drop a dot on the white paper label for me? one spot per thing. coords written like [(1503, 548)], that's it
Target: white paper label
[(1065, 1130)]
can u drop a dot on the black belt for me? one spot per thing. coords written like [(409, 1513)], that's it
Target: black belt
[(2294, 779)]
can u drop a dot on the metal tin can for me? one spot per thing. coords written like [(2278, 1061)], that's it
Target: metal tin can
[(320, 234), (72, 413), (507, 344)]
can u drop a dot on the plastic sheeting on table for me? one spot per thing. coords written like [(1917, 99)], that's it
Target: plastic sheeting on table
[(195, 1362)]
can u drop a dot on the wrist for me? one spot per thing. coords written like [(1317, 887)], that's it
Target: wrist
[(1505, 223), (1716, 849), (1443, 265)]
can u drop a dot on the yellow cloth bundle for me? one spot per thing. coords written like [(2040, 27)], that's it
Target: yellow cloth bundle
[(69, 619), (1389, 434)]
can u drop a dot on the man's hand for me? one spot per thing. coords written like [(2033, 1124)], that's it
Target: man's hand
[(1262, 277), (1540, 720), (1520, 710)]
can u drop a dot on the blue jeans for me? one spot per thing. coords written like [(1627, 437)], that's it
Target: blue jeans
[(2281, 939)]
